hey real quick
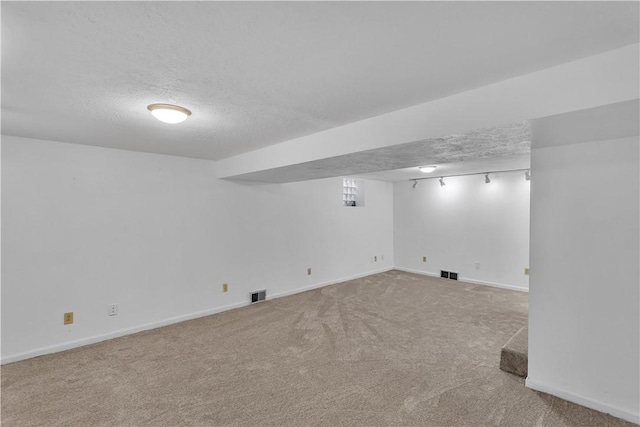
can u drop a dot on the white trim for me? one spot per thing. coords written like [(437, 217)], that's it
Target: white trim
[(119, 333), (495, 285), (330, 282), (584, 401), (423, 273), (466, 280), (153, 325)]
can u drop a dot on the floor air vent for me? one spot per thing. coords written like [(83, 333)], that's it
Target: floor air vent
[(258, 296), (448, 275)]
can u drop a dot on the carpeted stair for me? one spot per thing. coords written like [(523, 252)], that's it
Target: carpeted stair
[(514, 355)]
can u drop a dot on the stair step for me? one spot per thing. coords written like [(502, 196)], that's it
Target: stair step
[(514, 357)]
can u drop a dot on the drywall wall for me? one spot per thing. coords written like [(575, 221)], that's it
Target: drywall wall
[(85, 227), (0, 247), (463, 223), (583, 304)]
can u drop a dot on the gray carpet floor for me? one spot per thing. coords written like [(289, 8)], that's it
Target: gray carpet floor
[(389, 349)]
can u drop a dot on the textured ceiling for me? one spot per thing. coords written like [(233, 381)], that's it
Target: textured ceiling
[(507, 146), (259, 73)]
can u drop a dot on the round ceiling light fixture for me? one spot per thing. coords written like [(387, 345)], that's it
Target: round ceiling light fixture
[(427, 169), (168, 113)]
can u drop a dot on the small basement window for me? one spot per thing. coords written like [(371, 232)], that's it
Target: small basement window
[(352, 192)]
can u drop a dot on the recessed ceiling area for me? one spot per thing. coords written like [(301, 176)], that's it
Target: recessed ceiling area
[(490, 149), (255, 74)]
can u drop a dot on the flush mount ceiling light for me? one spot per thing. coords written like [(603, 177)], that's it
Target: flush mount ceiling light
[(427, 169), (168, 113)]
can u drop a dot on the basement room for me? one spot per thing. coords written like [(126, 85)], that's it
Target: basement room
[(320, 213)]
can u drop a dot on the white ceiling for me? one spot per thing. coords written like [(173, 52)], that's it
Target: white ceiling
[(259, 73), (504, 147)]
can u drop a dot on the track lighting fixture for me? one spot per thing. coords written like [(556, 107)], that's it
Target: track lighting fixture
[(487, 179)]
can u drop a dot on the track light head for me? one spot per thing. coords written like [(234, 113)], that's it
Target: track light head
[(527, 175), (486, 178), (442, 184), (415, 184)]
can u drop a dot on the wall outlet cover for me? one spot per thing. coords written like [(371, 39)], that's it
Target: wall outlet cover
[(112, 309), (68, 318)]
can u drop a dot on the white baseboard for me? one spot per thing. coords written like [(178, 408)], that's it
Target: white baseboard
[(584, 401), (421, 272), (328, 283), (153, 325), (115, 334), (495, 285), (465, 279)]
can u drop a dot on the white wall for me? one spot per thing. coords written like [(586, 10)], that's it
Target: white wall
[(465, 222), (584, 299), (84, 227)]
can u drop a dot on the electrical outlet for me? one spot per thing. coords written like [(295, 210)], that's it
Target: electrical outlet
[(112, 310), (477, 264), (309, 271), (526, 271), (424, 259), (375, 258), (225, 287), (68, 318)]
